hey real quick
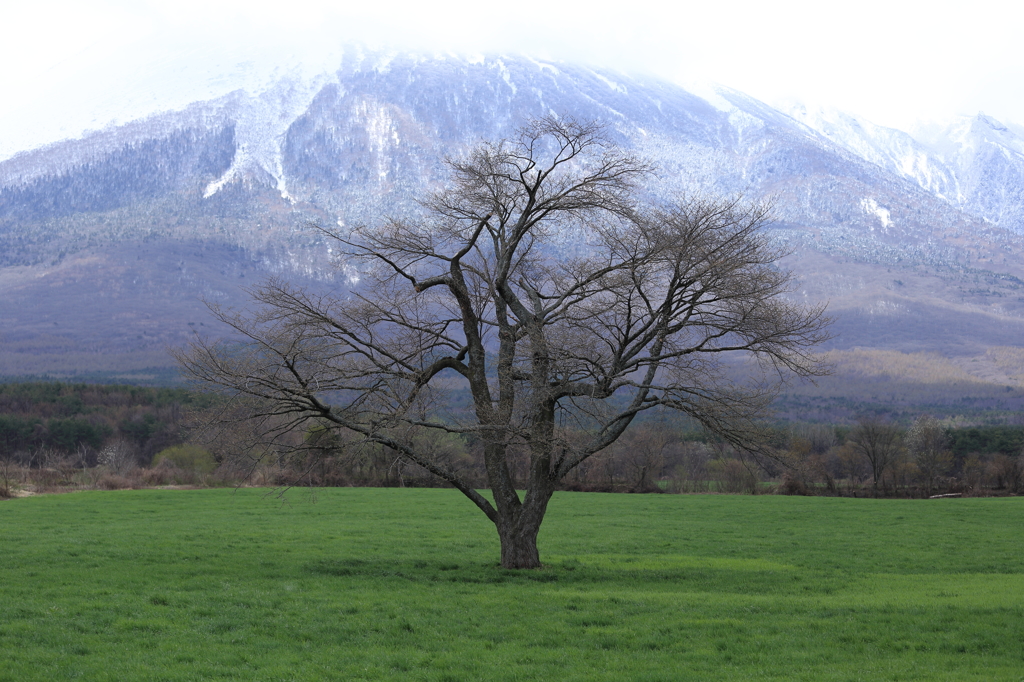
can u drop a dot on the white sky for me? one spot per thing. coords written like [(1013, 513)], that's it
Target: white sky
[(67, 66)]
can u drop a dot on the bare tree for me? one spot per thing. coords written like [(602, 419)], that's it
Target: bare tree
[(642, 451), (118, 456), (7, 469), (544, 281), (929, 446), (879, 443)]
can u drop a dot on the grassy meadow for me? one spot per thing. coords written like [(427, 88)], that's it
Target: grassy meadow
[(370, 584)]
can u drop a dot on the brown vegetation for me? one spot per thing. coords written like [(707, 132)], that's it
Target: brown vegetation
[(655, 456)]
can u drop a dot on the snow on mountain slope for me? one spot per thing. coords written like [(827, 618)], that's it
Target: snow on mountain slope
[(975, 164), (374, 133), (371, 137), (247, 171), (989, 161), (893, 150), (261, 122)]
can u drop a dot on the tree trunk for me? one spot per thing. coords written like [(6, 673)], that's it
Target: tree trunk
[(519, 547), (518, 530)]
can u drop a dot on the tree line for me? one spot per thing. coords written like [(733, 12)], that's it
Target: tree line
[(128, 428), (885, 458), (43, 420), (868, 458)]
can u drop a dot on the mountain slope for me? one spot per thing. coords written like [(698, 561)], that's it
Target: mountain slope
[(879, 224), (975, 164)]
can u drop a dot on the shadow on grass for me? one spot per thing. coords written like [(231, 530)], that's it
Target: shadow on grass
[(573, 572)]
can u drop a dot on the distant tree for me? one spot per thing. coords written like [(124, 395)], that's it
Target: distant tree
[(546, 280), (879, 443), (1006, 472), (16, 433), (1009, 440), (642, 451), (7, 466), (849, 463), (803, 466), (68, 434), (140, 427), (690, 473), (820, 437), (118, 456), (928, 444)]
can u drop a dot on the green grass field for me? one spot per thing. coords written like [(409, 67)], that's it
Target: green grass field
[(403, 584)]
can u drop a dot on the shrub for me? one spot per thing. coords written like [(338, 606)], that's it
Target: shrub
[(733, 476), (187, 458), (794, 485), (167, 474), (118, 456), (110, 481)]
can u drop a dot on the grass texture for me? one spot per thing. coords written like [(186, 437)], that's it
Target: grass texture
[(372, 584)]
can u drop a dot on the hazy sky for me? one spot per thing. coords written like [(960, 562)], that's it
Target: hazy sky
[(71, 66)]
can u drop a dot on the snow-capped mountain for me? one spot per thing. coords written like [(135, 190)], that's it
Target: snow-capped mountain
[(988, 158), (221, 190), (894, 150), (975, 163), (373, 135)]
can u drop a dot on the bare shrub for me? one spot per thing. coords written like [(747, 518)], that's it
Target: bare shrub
[(690, 473), (111, 481), (271, 476), (793, 483), (6, 489), (643, 452), (166, 473), (118, 457), (157, 477), (52, 471), (733, 476), (806, 471)]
